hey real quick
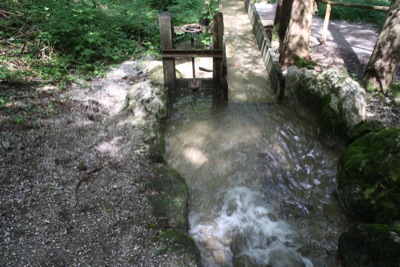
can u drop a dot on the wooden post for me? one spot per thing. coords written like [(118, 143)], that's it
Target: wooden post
[(218, 43), (326, 23), (167, 42)]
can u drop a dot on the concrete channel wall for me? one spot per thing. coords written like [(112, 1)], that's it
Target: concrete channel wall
[(264, 43)]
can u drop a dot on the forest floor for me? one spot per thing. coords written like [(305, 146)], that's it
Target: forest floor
[(73, 169)]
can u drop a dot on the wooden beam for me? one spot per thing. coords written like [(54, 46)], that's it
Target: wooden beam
[(383, 8), (175, 53), (167, 42), (218, 44)]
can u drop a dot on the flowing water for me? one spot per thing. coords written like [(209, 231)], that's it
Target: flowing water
[(259, 180), (261, 183)]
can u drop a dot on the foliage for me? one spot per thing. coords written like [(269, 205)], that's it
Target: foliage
[(185, 12), (3, 100), (210, 9), (303, 63), (53, 40), (357, 14), (394, 89)]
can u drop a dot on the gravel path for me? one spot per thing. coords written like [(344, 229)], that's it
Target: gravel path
[(72, 170)]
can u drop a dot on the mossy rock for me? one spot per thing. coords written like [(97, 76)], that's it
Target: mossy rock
[(332, 98), (180, 245), (332, 124), (168, 195), (369, 177), (155, 139), (363, 128), (156, 74), (376, 245)]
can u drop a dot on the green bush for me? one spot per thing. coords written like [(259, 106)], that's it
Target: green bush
[(51, 39)]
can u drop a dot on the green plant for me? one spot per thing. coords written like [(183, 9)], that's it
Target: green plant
[(160, 249), (184, 12), (49, 110), (210, 9), (206, 39), (19, 119), (3, 100), (52, 41), (302, 63), (394, 89)]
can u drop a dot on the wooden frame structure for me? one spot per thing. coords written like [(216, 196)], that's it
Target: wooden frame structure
[(169, 53)]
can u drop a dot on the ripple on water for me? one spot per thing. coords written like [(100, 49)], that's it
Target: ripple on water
[(259, 181)]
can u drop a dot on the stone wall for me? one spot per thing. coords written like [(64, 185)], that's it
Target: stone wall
[(335, 100)]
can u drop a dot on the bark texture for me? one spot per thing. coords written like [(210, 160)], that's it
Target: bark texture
[(385, 58), (282, 19), (297, 38)]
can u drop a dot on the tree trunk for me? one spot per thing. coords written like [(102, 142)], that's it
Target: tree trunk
[(385, 59), (297, 38), (281, 21)]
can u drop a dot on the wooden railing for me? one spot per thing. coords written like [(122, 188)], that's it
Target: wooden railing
[(329, 5)]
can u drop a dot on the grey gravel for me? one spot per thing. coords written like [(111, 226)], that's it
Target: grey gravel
[(50, 140)]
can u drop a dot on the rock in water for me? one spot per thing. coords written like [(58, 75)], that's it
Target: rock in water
[(284, 258)]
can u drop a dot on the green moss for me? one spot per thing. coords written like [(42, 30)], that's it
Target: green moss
[(364, 128), (168, 196), (370, 245), (370, 87), (303, 63), (369, 182), (179, 241), (332, 119), (155, 140)]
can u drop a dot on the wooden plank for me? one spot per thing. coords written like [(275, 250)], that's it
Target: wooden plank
[(218, 44), (214, 53), (167, 42), (383, 8)]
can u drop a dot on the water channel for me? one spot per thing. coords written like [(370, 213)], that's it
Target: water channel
[(261, 182)]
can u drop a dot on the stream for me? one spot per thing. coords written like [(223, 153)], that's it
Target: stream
[(261, 182)]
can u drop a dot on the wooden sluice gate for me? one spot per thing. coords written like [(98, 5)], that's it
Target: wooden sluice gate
[(178, 87)]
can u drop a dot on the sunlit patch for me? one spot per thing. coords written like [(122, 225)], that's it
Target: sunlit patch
[(240, 97), (195, 156), (113, 147), (82, 123), (47, 88)]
